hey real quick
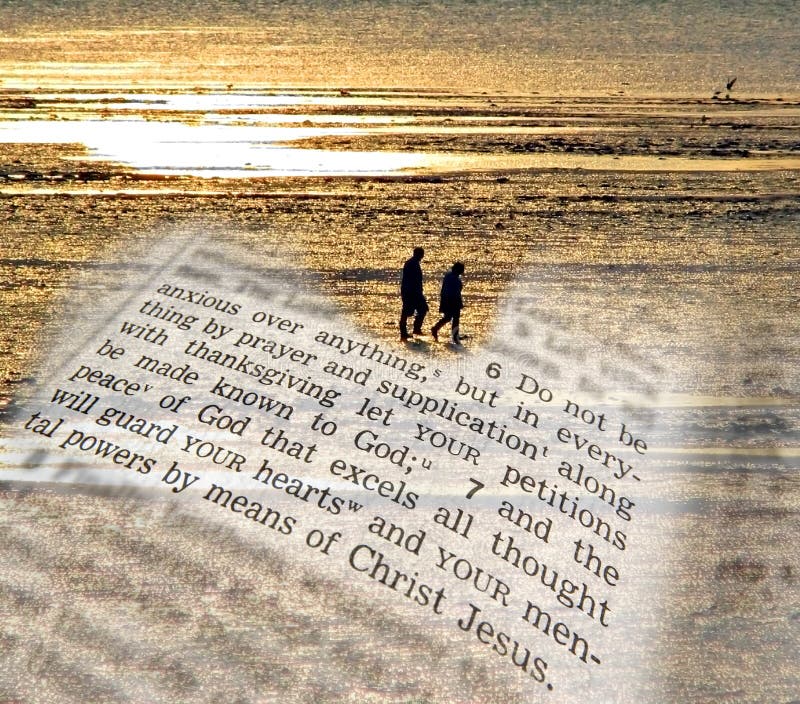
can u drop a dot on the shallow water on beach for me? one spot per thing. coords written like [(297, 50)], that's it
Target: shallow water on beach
[(309, 133)]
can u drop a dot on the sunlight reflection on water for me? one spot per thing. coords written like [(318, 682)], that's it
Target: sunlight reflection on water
[(234, 151)]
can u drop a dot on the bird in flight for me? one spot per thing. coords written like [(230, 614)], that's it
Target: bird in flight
[(728, 88)]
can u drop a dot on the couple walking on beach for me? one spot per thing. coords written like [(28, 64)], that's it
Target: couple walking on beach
[(414, 303)]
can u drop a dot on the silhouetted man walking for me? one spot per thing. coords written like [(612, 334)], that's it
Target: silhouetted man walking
[(450, 302), (414, 302)]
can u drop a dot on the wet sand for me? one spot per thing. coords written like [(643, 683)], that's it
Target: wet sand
[(685, 189), (694, 266)]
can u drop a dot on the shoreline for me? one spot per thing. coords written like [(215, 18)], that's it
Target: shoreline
[(229, 135)]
